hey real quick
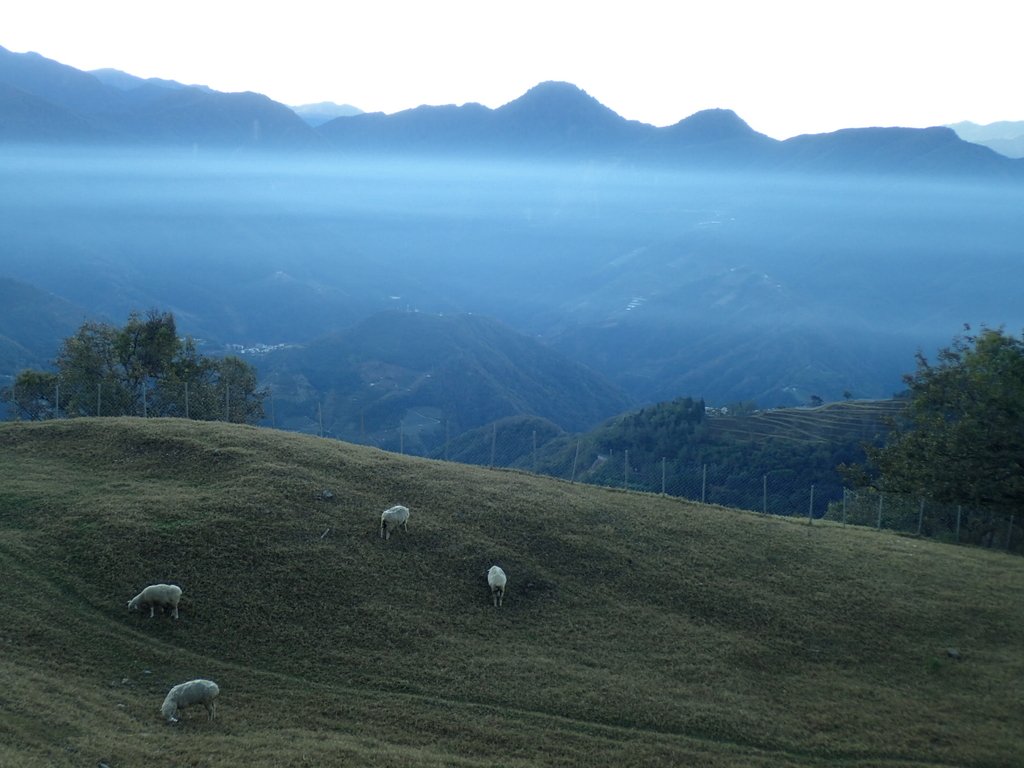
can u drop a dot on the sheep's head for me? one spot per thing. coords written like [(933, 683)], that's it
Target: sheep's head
[(169, 709)]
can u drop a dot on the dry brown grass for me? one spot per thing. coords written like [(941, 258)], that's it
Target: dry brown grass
[(637, 630)]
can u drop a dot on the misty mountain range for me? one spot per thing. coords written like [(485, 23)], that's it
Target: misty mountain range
[(42, 100), (1005, 136), (623, 263)]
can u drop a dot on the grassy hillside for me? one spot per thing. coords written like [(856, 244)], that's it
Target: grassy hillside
[(637, 630)]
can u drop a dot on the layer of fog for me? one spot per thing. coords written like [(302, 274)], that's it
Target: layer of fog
[(281, 249)]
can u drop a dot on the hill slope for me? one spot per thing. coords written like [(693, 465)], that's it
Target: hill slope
[(31, 324), (412, 378), (637, 630)]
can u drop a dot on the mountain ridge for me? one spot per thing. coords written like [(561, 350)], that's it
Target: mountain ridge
[(1004, 136), (156, 112), (552, 119)]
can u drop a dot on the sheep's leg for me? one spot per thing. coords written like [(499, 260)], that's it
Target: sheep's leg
[(151, 611), (175, 611), (211, 710)]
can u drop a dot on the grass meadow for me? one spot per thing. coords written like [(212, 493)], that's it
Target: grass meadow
[(637, 630)]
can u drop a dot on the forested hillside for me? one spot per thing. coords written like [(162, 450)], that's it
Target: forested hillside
[(410, 381), (682, 447)]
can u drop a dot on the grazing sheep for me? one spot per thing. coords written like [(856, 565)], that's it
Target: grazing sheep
[(393, 518), (163, 595), (496, 580), (186, 694)]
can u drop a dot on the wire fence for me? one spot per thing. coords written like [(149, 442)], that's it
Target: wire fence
[(782, 492), (773, 490), (948, 522), (770, 490), (215, 400)]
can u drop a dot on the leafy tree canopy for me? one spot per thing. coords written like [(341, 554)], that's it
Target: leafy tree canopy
[(961, 438), (141, 369)]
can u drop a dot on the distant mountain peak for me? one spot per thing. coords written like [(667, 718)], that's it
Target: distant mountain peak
[(558, 98), (556, 89), (324, 111), (713, 125)]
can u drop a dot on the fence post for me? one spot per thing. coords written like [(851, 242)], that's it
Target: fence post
[(662, 475), (625, 471), (810, 508), (227, 402), (1009, 534), (878, 525), (958, 510), (145, 412), (844, 506), (764, 493), (704, 484), (320, 418), (186, 400), (99, 398), (56, 408), (920, 517), (494, 440), (535, 451), (573, 478)]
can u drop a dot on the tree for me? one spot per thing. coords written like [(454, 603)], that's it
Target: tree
[(236, 386), (141, 369), (146, 349), (961, 438), (34, 395), (88, 369)]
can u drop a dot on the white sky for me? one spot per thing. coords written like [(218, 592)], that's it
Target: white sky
[(785, 66)]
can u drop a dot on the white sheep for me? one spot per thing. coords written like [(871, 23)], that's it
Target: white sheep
[(393, 518), (187, 694), (162, 595), (496, 580)]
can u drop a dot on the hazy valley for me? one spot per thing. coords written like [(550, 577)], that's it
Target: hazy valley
[(701, 260)]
